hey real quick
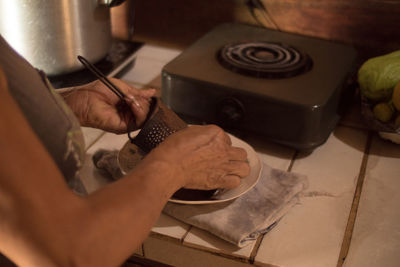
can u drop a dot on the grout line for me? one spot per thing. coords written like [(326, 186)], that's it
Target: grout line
[(254, 251), (219, 253), (143, 253), (354, 207), (257, 245), (185, 234), (94, 141), (159, 236), (295, 154)]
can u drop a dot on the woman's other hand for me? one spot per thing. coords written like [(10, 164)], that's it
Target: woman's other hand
[(202, 157), (97, 106)]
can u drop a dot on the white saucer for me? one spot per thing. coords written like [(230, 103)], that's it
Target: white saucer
[(224, 194)]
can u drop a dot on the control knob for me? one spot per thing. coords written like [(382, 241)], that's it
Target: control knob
[(230, 111)]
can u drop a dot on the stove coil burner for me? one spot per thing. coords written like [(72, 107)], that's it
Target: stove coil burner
[(264, 59)]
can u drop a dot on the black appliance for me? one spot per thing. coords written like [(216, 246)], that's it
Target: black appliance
[(285, 87)]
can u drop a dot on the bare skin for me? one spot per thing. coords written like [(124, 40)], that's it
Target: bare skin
[(206, 159), (97, 106), (42, 223)]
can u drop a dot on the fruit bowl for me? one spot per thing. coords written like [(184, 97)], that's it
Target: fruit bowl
[(379, 83), (389, 130), (371, 120)]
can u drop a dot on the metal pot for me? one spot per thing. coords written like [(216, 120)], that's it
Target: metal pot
[(50, 34)]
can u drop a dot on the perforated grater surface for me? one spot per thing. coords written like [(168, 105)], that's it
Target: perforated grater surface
[(161, 123)]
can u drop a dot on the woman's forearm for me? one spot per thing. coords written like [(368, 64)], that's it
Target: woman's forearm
[(45, 224), (123, 213)]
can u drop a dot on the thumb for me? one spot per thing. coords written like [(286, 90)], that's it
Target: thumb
[(138, 111)]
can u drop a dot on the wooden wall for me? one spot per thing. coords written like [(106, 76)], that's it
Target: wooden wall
[(372, 26)]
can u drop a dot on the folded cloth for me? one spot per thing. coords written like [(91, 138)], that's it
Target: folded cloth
[(107, 160), (239, 221), (243, 219)]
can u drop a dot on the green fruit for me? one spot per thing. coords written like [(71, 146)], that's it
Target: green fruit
[(383, 112), (396, 96), (378, 75)]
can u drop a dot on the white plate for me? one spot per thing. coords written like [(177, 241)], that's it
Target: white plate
[(228, 194)]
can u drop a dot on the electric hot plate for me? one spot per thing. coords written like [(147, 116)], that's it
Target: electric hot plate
[(287, 88)]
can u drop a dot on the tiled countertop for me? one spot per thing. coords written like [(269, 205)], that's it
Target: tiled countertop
[(349, 208)]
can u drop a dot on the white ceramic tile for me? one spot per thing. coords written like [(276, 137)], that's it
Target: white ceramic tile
[(171, 227), (144, 72), (158, 53), (110, 141), (334, 167), (311, 234), (135, 85), (91, 135), (148, 65), (178, 255), (156, 83), (201, 239), (376, 234)]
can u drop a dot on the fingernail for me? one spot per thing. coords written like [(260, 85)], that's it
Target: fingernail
[(133, 99)]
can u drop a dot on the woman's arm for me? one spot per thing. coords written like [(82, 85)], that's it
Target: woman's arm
[(44, 224)]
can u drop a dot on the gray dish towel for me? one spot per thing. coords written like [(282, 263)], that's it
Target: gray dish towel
[(239, 221), (243, 219)]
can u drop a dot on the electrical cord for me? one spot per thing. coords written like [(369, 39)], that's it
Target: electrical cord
[(257, 4), (251, 9), (131, 19)]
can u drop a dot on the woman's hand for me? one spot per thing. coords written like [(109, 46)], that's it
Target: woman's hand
[(202, 157), (97, 106)]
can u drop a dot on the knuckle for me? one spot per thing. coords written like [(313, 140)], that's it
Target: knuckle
[(231, 181), (238, 153), (214, 128), (243, 169), (247, 169), (242, 153)]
